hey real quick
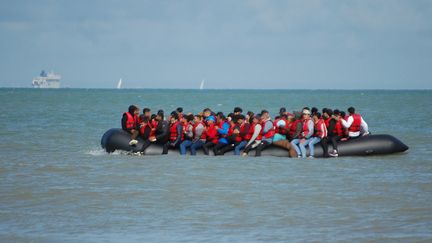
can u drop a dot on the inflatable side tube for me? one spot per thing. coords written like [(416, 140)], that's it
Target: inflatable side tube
[(117, 139)]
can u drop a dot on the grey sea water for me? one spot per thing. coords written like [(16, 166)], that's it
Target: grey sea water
[(57, 184)]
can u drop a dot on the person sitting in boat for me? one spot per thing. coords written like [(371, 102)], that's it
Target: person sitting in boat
[(296, 126), (307, 132), (244, 134), (320, 134), (211, 134), (188, 131), (234, 138), (355, 124), (222, 128), (283, 126), (129, 123), (267, 131), (199, 136), (334, 129), (145, 131), (255, 132), (162, 129), (176, 133)]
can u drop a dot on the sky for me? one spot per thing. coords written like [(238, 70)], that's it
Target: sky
[(254, 44)]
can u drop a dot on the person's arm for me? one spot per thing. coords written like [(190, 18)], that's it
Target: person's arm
[(255, 134), (310, 125), (123, 122), (198, 132), (189, 132), (268, 125), (224, 129), (348, 122), (364, 127), (179, 135)]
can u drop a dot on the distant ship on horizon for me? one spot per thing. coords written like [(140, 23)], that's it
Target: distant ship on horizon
[(47, 80)]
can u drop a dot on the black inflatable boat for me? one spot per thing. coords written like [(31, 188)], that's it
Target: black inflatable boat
[(117, 139)]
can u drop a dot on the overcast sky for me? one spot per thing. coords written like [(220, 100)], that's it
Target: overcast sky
[(363, 44)]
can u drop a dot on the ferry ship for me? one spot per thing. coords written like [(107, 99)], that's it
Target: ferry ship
[(47, 80)]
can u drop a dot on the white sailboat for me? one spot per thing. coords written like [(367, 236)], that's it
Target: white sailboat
[(202, 84), (119, 84)]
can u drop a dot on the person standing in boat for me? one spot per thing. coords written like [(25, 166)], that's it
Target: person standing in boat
[(355, 124), (306, 134), (129, 123)]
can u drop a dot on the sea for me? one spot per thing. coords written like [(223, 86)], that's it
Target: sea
[(58, 185)]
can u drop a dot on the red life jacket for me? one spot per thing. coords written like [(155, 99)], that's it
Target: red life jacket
[(355, 126), (293, 128), (153, 124), (305, 129), (327, 122), (173, 132), (270, 133), (143, 127), (211, 134), (203, 134), (320, 129), (131, 120), (248, 135), (252, 130), (338, 129), (185, 127)]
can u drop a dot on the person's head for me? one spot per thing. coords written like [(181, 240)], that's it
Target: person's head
[(297, 115), (316, 117), (327, 113), (146, 111), (314, 110), (207, 112), (256, 119), (153, 116), (290, 116), (282, 111), (144, 118), (230, 117), (306, 114), (249, 116), (198, 118), (160, 115), (265, 114), (343, 114), (174, 117), (238, 110), (220, 117), (240, 119), (336, 113), (189, 117), (210, 120), (133, 109), (179, 110), (351, 110)]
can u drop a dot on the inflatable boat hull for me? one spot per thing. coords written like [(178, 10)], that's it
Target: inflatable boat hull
[(117, 139)]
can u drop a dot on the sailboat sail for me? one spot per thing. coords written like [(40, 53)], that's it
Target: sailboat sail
[(119, 84), (202, 84)]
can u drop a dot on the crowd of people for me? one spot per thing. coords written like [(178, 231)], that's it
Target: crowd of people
[(244, 132)]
